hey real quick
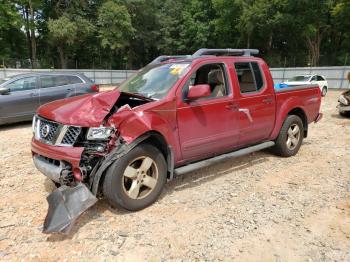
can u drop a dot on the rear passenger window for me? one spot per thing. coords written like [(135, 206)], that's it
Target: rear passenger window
[(74, 80), (47, 81), (52, 81), (61, 81), (249, 77)]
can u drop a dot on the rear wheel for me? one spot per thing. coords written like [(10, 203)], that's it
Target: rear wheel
[(345, 113), (290, 137), (136, 180), (324, 91)]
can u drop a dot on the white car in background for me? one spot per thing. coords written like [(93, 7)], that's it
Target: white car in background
[(309, 79)]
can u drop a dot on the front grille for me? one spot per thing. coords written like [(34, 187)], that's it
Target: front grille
[(48, 130), (71, 135), (54, 133)]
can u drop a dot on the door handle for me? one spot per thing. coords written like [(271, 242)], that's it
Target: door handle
[(268, 100), (33, 94), (231, 106)]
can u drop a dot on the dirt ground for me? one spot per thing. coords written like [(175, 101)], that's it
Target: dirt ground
[(255, 208)]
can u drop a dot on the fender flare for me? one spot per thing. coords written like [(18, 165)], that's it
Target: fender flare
[(289, 105)]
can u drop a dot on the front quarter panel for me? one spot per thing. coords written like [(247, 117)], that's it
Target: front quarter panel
[(161, 118)]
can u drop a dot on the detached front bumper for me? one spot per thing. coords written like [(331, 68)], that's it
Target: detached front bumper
[(66, 203), (52, 160)]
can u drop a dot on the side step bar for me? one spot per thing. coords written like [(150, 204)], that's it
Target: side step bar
[(205, 163)]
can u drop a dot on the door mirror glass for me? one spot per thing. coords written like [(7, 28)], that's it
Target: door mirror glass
[(198, 91), (4, 91)]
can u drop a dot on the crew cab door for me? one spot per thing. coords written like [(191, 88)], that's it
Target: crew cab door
[(207, 126), (256, 103)]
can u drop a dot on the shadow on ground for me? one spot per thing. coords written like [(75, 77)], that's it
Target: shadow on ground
[(182, 182), (15, 126)]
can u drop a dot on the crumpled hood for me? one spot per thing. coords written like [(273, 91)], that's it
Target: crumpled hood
[(87, 110)]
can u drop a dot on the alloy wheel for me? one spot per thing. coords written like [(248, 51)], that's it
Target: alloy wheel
[(140, 177), (293, 136)]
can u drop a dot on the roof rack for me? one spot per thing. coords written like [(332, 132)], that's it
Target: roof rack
[(227, 52), (207, 52)]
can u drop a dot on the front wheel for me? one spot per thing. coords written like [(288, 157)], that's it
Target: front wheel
[(136, 180), (324, 91), (290, 137)]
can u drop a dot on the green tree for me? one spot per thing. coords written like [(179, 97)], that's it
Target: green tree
[(146, 19), (29, 9), (11, 37), (338, 44), (114, 27), (66, 32)]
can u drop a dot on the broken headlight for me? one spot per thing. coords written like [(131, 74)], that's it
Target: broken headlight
[(343, 100), (99, 133)]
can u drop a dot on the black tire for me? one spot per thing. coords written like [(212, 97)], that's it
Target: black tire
[(324, 91), (114, 184), (281, 148), (345, 113)]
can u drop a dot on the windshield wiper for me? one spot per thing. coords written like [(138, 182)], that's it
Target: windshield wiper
[(144, 95)]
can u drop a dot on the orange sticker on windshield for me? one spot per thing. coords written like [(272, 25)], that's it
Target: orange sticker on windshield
[(176, 69)]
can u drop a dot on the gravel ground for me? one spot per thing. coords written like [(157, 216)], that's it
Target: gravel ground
[(255, 208)]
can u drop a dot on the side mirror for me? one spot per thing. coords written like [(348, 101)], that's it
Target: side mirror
[(198, 91), (4, 91)]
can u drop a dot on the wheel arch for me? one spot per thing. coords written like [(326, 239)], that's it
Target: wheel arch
[(151, 137), (158, 140), (300, 113)]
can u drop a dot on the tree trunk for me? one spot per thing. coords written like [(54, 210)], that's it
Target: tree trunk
[(63, 57), (314, 44), (248, 40), (270, 42), (32, 35), (29, 42)]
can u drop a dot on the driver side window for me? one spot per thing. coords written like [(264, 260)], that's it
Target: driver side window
[(213, 75), (22, 84)]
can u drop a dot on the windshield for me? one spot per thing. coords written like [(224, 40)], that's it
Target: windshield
[(154, 81), (299, 79)]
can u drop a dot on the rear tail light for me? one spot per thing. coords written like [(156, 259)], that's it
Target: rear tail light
[(95, 88)]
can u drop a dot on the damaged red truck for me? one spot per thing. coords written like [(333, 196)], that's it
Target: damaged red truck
[(177, 114)]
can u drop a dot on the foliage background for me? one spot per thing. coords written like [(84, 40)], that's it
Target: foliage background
[(127, 34)]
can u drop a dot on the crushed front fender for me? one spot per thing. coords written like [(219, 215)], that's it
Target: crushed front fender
[(66, 204)]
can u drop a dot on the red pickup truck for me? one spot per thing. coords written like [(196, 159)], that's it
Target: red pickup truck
[(177, 114)]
